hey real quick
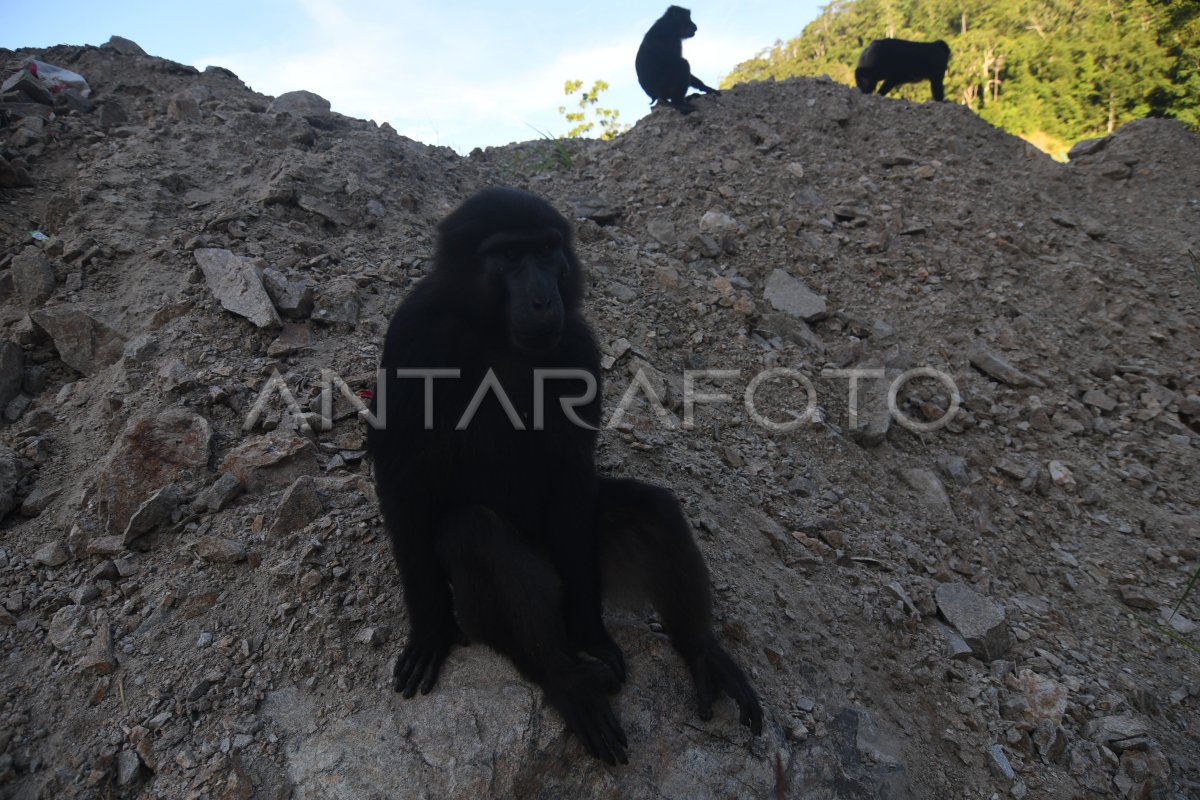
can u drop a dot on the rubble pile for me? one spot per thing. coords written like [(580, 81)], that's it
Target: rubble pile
[(971, 594)]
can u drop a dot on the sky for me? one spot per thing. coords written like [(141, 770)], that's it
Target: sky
[(451, 73)]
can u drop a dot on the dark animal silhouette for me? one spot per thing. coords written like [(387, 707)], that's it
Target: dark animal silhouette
[(897, 61), (497, 518), (661, 68)]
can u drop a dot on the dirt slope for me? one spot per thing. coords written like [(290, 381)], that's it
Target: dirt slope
[(233, 636)]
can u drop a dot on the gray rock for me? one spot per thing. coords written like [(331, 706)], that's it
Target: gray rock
[(978, 620), (596, 209), (272, 461), (112, 114), (300, 505), (929, 489), (154, 513), (66, 627), (293, 299), (52, 554), (662, 231), (126, 47), (33, 277), (792, 296), (220, 550), (153, 450), (223, 492), (717, 224), (300, 104), (12, 371), (183, 107), (321, 208), (998, 764), (338, 303), (1098, 399), (141, 349), (235, 282), (998, 369), (1050, 739), (39, 500), (82, 341), (1137, 597), (1190, 406), (957, 648), (293, 338), (129, 768), (1118, 731), (1086, 147)]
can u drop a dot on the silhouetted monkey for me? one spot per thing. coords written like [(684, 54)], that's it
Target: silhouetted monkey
[(661, 68), (896, 61), (497, 518)]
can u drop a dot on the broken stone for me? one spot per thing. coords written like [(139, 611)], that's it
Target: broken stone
[(1045, 698), (111, 115), (39, 500), (183, 107), (293, 299), (126, 47), (152, 451), (792, 296), (223, 492), (338, 303), (668, 277), (978, 620), (293, 338), (33, 277), (234, 281), (1086, 147), (82, 341), (272, 461), (220, 550), (1137, 597), (300, 505), (1118, 731), (717, 224), (929, 488), (1098, 399), (1050, 739), (155, 512), (300, 104), (596, 209), (52, 554), (662, 231), (999, 765), (318, 206), (129, 767), (99, 658), (998, 369), (1061, 474), (957, 648), (66, 627)]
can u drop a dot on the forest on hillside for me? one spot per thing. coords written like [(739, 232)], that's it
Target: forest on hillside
[(1051, 71)]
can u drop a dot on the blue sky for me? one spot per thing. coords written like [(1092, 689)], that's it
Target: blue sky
[(452, 73)]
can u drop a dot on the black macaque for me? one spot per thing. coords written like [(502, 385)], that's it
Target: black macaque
[(498, 521), (897, 61), (661, 68)]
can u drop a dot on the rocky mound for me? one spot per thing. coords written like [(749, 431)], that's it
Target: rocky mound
[(970, 597)]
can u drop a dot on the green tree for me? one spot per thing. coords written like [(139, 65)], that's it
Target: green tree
[(1048, 70), (605, 118)]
